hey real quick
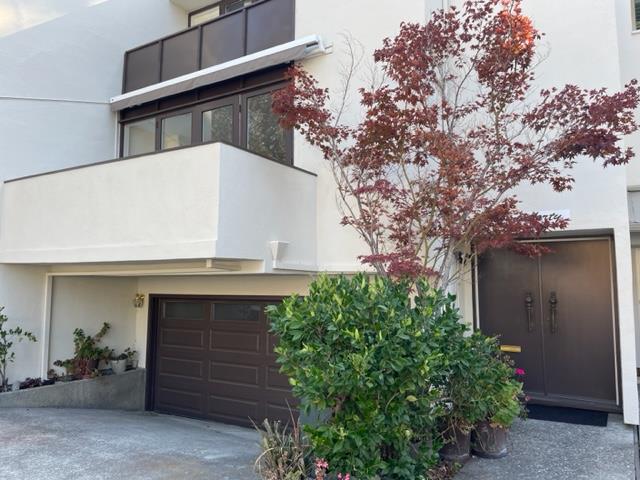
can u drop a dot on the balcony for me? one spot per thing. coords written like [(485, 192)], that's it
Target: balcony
[(252, 29), (212, 201)]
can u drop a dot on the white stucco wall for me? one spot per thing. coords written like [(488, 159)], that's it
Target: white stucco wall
[(88, 302)]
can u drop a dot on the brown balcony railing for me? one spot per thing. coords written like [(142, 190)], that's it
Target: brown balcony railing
[(256, 27)]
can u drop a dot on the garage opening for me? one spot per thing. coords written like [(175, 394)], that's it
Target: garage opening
[(212, 358)]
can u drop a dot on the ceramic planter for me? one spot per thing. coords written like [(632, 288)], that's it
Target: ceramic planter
[(118, 366), (458, 446), (489, 441)]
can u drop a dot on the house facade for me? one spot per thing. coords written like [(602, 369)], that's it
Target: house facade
[(148, 185)]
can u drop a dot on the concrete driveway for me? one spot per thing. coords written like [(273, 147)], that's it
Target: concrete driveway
[(61, 444)]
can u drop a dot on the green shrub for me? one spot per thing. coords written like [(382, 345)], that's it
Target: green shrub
[(465, 372), (7, 339), (371, 356), (502, 391)]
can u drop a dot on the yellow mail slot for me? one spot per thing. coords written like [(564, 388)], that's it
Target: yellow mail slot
[(511, 348)]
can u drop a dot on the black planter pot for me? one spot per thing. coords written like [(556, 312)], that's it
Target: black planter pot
[(458, 446), (489, 442)]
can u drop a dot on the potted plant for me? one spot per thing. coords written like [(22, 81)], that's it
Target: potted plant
[(132, 358), (86, 353), (462, 394), (69, 369), (119, 363), (503, 397), (7, 355)]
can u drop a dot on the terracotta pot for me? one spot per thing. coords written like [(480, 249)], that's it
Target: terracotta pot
[(458, 446), (84, 367), (489, 441)]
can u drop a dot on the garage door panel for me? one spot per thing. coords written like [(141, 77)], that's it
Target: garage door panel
[(281, 412), (191, 403), (182, 367), (246, 342), (276, 380), (235, 374), (234, 407), (182, 338)]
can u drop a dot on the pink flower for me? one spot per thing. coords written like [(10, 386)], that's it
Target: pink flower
[(346, 477), (321, 468), (520, 372)]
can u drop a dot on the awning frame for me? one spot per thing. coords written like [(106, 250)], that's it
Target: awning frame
[(306, 47)]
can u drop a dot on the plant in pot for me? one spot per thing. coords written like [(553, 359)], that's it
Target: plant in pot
[(8, 336), (69, 369), (462, 367), (132, 358), (86, 353), (503, 404), (119, 363)]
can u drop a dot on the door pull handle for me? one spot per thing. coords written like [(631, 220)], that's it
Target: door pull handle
[(553, 304), (528, 303)]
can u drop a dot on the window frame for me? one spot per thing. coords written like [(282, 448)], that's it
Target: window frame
[(201, 108), (204, 9), (124, 137), (236, 98), (288, 135), (169, 114), (635, 13), (222, 4)]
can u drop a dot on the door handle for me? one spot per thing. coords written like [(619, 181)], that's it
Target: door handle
[(528, 304), (553, 304)]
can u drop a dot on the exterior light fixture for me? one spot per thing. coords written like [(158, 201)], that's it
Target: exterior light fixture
[(138, 300)]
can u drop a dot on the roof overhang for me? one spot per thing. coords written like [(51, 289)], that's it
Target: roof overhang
[(299, 49)]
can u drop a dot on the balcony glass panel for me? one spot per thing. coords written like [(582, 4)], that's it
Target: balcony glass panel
[(140, 137), (176, 131)]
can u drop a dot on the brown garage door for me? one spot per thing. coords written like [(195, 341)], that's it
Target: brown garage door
[(214, 359)]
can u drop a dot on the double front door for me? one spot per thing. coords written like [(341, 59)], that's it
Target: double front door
[(555, 315)]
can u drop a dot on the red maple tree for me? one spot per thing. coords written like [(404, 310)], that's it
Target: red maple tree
[(427, 176)]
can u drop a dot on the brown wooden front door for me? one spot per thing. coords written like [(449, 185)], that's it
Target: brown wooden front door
[(558, 309), (214, 359)]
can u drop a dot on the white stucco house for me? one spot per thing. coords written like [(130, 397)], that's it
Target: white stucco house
[(134, 165)]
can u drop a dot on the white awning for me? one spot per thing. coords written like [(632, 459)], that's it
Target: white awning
[(287, 52)]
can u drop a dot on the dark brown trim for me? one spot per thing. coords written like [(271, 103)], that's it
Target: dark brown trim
[(133, 157), (152, 326)]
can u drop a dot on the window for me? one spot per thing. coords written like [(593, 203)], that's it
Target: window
[(244, 119), (223, 7), (176, 131), (265, 136), (202, 16), (237, 312), (140, 137), (636, 14), (217, 124)]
